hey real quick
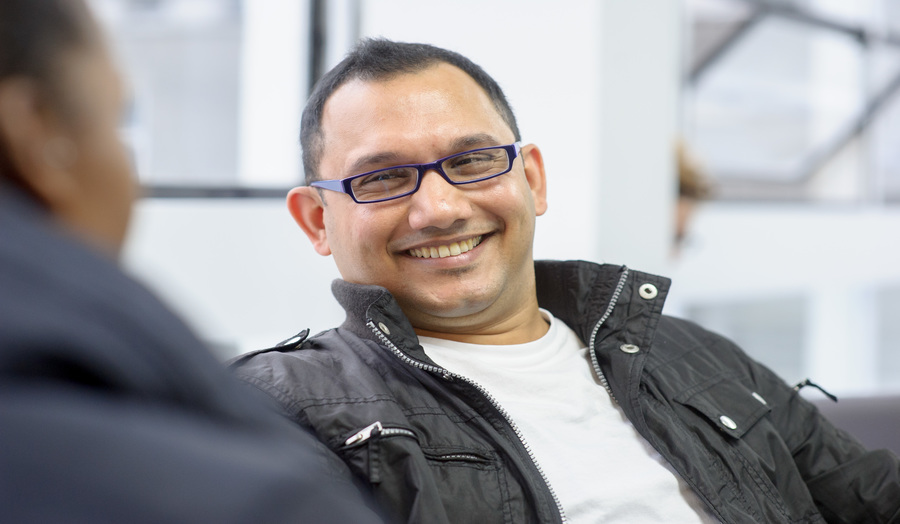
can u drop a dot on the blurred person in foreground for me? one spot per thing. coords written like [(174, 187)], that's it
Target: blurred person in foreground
[(469, 383), (110, 408)]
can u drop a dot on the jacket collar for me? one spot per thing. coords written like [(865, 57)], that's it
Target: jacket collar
[(576, 292), (579, 293), (369, 306)]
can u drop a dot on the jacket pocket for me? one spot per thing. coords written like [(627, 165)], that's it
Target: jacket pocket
[(418, 481), (363, 449), (748, 471), (728, 404), (460, 457)]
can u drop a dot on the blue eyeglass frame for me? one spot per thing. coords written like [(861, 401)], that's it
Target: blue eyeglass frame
[(343, 185)]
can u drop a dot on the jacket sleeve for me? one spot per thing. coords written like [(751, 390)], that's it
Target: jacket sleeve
[(848, 482)]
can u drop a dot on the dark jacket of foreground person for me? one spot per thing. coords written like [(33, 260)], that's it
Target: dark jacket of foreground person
[(111, 412), (435, 448)]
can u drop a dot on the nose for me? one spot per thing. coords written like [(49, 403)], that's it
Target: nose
[(438, 203)]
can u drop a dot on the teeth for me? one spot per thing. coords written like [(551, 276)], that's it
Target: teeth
[(456, 248)]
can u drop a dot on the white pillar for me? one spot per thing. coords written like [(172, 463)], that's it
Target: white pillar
[(274, 71), (641, 54)]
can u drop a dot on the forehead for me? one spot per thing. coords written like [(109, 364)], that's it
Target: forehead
[(434, 106)]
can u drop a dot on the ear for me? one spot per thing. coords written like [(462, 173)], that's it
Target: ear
[(308, 210), (39, 152), (536, 177)]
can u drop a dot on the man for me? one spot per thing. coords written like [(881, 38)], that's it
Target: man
[(471, 384), (111, 410)]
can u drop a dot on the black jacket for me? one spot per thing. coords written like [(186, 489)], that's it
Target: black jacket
[(435, 448), (112, 411)]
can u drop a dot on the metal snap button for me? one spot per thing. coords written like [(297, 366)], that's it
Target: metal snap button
[(384, 328), (629, 348), (727, 422), (648, 291)]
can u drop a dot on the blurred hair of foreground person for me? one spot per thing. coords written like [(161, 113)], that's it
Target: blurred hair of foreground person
[(111, 410)]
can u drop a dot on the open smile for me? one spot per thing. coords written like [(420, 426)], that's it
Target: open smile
[(450, 250)]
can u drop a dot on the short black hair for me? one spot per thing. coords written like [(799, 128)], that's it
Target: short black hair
[(376, 59)]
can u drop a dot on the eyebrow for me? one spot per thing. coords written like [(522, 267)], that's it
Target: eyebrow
[(389, 158), (474, 142)]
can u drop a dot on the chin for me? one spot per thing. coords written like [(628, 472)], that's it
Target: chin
[(458, 308)]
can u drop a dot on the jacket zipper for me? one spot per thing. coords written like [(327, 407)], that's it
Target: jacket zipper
[(609, 309), (459, 456), (376, 429), (592, 350), (449, 375)]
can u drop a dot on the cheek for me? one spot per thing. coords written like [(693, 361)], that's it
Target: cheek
[(113, 166), (122, 184), (511, 200), (377, 223), (353, 233), (105, 186)]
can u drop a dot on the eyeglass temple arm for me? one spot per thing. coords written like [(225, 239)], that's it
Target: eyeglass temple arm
[(332, 185)]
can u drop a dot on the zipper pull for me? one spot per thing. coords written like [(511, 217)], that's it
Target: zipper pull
[(808, 382), (364, 434)]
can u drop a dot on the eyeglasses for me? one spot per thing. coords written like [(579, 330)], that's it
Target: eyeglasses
[(398, 181)]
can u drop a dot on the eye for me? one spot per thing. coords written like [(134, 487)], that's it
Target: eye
[(386, 176), (477, 163), (470, 159), (384, 183)]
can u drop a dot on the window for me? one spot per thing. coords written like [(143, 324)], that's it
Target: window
[(796, 100), (217, 89)]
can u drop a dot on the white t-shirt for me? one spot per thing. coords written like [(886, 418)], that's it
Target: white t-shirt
[(600, 467)]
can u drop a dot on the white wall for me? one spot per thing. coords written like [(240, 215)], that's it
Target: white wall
[(641, 44), (239, 270)]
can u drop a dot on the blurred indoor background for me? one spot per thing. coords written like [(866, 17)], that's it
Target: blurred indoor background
[(788, 109)]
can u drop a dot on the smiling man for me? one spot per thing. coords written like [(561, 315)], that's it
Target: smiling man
[(471, 384)]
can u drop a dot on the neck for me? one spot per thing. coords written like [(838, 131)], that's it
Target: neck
[(525, 325)]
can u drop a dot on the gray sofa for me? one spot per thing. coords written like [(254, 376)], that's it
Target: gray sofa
[(875, 421)]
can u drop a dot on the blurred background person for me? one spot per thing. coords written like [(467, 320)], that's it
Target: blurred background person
[(693, 188), (110, 409)]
